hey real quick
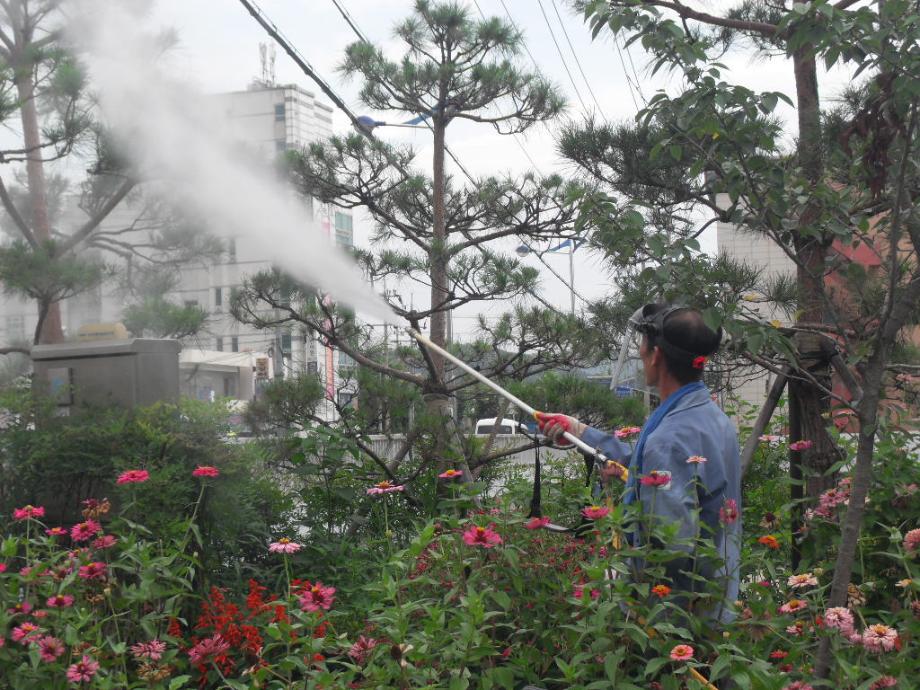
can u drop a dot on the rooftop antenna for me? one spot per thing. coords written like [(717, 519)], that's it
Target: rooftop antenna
[(267, 59)]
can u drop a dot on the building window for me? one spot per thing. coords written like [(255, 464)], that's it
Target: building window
[(344, 230), (286, 343), (218, 297), (219, 344), (280, 146), (235, 344), (191, 303), (279, 112)]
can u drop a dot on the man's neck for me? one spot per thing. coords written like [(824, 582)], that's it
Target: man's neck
[(668, 386)]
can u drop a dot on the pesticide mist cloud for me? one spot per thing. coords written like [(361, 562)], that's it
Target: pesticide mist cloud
[(177, 138)]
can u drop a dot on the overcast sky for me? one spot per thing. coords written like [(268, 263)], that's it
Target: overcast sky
[(219, 51)]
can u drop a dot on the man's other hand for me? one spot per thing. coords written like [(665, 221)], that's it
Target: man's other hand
[(554, 425)]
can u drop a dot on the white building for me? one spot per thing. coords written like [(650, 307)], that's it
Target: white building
[(268, 120)]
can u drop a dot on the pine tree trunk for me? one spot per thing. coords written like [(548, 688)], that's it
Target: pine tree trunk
[(51, 328)]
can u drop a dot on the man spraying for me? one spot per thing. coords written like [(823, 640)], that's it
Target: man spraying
[(685, 468)]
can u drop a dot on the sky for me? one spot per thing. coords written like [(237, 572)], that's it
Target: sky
[(218, 50)]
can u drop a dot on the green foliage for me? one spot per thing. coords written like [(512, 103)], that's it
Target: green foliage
[(156, 317)]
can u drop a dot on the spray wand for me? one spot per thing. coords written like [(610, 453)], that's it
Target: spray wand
[(514, 400)]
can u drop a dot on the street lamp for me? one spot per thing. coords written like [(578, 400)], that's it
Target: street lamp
[(525, 249)]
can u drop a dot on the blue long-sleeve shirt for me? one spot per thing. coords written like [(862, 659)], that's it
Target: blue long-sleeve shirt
[(696, 426)]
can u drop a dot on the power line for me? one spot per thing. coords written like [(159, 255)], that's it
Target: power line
[(558, 50), (574, 54)]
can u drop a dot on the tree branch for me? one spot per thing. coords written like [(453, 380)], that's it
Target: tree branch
[(20, 222), (100, 216), (763, 28)]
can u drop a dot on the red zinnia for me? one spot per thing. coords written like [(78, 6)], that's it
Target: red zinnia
[(769, 541), (536, 523), (655, 479), (133, 477), (661, 591), (485, 537), (595, 512), (205, 471)]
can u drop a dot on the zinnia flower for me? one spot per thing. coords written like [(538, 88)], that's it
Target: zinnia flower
[(20, 608), (317, 597), (536, 523), (793, 606), (106, 541), (284, 545), (682, 652), (56, 532), (82, 671), (59, 601), (912, 541), (801, 445), (769, 541), (450, 474), (2, 567), (208, 648), (205, 471), (579, 592), (49, 648), (728, 513), (627, 431), (696, 460), (384, 487), (779, 654), (884, 682), (878, 638), (84, 531), (25, 633), (133, 477), (152, 650), (93, 571), (485, 537), (655, 478), (661, 591), (839, 618), (361, 649), (803, 580), (595, 512), (28, 512)]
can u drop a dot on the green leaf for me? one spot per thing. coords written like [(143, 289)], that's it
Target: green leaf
[(179, 682)]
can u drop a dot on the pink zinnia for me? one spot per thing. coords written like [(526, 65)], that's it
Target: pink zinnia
[(451, 474), (536, 523), (133, 477), (50, 648), (20, 608), (793, 606), (682, 652), (361, 649), (696, 460), (801, 445), (284, 545), (485, 537), (106, 541), (878, 638), (59, 601), (56, 532), (384, 487), (803, 580), (655, 479), (912, 541), (82, 671), (205, 471), (208, 648), (25, 633), (93, 571), (28, 512), (84, 531), (627, 431), (595, 512), (728, 513), (884, 682), (317, 597), (152, 650), (2, 567)]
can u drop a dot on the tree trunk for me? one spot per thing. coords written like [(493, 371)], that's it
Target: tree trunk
[(813, 404), (51, 328)]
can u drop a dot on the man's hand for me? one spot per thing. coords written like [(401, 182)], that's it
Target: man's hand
[(554, 425)]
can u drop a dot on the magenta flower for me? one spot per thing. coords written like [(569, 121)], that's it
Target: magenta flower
[(451, 474), (205, 471), (317, 597), (93, 571), (485, 537), (133, 477), (106, 541), (801, 445), (595, 512), (728, 513), (384, 487), (84, 531), (2, 567), (152, 650), (207, 649), (284, 545), (912, 541), (56, 532), (579, 592), (361, 649), (82, 671), (682, 652), (25, 633), (655, 479), (28, 512), (50, 648), (536, 523), (20, 608), (627, 431), (59, 601)]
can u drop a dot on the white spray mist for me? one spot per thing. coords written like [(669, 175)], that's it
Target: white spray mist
[(177, 137)]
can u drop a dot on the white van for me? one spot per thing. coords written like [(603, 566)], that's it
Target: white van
[(507, 427)]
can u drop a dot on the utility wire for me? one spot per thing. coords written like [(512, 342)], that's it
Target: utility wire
[(561, 55), (574, 54)]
